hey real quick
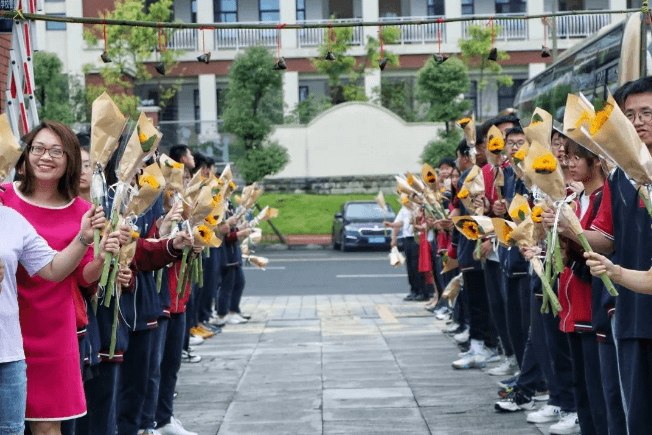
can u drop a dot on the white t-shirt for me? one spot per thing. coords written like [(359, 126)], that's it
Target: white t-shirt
[(405, 216), (20, 243)]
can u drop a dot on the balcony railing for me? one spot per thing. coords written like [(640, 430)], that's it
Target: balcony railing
[(419, 33), (240, 38), (315, 37), (580, 26), (183, 39), (512, 30)]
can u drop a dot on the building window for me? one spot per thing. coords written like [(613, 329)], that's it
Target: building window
[(269, 10), (472, 96), (193, 11), (467, 7), (304, 92), (301, 10), (506, 94), (195, 98), (219, 103), (510, 6), (436, 8), (571, 5), (225, 11), (53, 25)]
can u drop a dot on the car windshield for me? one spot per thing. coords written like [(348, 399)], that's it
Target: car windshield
[(368, 211)]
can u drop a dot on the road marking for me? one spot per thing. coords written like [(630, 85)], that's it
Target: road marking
[(266, 268), (384, 275), (385, 314), (289, 260)]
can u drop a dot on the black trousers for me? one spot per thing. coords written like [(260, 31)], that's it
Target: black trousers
[(134, 378), (517, 311), (480, 321), (415, 278), (587, 385), (101, 400), (493, 277), (634, 363), (170, 365), (611, 388)]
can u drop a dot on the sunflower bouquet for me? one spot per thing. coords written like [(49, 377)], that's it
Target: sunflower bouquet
[(474, 228), (257, 261), (540, 128), (468, 125), (9, 149), (429, 176), (107, 125), (150, 185), (265, 214), (472, 186), (395, 257), (614, 136)]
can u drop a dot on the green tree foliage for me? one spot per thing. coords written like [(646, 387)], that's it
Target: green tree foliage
[(440, 87), (60, 97), (268, 159), (396, 95), (130, 48), (346, 66), (475, 52), (307, 110), (445, 146), (253, 106)]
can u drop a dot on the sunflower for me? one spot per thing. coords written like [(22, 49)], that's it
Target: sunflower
[(149, 180), (134, 235), (462, 122), (404, 200), (507, 231), (536, 214), (519, 156), (585, 116), (442, 189), (232, 185), (216, 200), (545, 164), (142, 137), (470, 177), (535, 123), (600, 118), (470, 229), (211, 220), (146, 143), (205, 233), (463, 193), (496, 145), (431, 178), (520, 212)]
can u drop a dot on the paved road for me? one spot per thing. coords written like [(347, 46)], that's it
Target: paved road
[(325, 272), (337, 364)]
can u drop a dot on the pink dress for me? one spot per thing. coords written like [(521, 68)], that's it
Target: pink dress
[(47, 315)]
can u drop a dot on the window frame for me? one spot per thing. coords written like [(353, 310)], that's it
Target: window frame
[(510, 4), (219, 13), (511, 95), (469, 6), (54, 23), (301, 10), (432, 6), (307, 91), (269, 11)]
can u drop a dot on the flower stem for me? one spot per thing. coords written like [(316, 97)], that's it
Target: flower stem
[(605, 279), (159, 280), (182, 270), (109, 256), (96, 234), (114, 327)]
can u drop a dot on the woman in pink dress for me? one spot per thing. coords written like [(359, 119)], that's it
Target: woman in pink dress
[(46, 196)]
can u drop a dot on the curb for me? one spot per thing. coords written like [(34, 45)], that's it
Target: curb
[(279, 247)]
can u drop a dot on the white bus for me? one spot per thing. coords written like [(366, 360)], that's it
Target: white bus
[(613, 56)]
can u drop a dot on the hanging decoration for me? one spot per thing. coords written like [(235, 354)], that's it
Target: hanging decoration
[(206, 56), (279, 64), (439, 58), (105, 55), (160, 65), (545, 50), (331, 38), (382, 60), (493, 54)]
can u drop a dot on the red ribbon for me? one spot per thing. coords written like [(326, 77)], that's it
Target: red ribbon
[(161, 39), (546, 24), (331, 35), (278, 38), (439, 23), (380, 36), (105, 44), (491, 23)]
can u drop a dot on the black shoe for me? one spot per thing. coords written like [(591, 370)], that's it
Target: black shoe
[(409, 297), (421, 298), (464, 347), (514, 402)]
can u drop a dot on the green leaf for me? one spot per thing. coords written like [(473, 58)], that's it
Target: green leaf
[(480, 230), (536, 118), (598, 104), (521, 215)]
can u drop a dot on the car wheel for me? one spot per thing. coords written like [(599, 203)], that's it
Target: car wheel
[(343, 246), (334, 242)]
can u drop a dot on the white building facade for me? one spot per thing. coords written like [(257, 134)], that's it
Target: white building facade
[(198, 100)]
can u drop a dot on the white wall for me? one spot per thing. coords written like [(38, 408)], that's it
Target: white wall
[(354, 139)]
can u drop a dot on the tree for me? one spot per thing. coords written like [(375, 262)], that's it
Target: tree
[(130, 48), (444, 147), (440, 87), (397, 95), (253, 105), (60, 97), (346, 66), (475, 53), (307, 110)]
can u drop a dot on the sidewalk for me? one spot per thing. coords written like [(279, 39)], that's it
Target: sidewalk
[(344, 364)]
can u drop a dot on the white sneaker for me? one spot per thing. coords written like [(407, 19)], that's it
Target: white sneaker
[(462, 337), (188, 357), (475, 358), (491, 354), (450, 328), (235, 319), (568, 424), (547, 414), (217, 321), (148, 432), (174, 428), (507, 368), (195, 340)]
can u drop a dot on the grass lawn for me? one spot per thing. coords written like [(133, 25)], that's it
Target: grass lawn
[(311, 214)]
